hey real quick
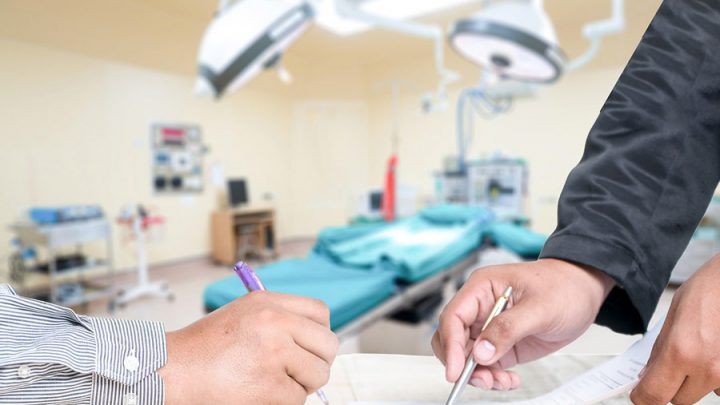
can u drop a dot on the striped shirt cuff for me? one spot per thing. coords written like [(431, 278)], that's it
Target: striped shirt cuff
[(128, 355), (6, 289)]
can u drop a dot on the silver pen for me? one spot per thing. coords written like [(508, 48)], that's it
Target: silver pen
[(470, 364)]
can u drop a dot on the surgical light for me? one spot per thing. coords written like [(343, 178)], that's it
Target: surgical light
[(245, 37), (515, 39), (328, 18)]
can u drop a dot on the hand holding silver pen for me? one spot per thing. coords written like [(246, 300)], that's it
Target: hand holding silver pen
[(553, 302), (470, 364)]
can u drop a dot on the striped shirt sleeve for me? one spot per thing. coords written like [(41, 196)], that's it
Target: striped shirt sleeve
[(50, 355)]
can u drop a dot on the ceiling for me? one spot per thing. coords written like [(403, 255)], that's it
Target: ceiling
[(164, 34)]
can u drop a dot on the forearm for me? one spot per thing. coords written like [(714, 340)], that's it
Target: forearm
[(650, 166)]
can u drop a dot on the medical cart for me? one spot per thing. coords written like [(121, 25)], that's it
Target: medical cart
[(89, 281)]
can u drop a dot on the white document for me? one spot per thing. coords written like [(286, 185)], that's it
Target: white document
[(614, 377)]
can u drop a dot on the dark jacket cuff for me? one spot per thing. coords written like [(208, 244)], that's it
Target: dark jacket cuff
[(621, 312)]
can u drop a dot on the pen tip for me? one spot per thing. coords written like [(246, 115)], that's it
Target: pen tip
[(508, 292), (323, 397)]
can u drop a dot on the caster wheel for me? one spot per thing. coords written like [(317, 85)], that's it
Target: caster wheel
[(111, 307)]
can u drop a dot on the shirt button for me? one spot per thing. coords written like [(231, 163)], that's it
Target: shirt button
[(131, 362), (23, 371), (130, 399)]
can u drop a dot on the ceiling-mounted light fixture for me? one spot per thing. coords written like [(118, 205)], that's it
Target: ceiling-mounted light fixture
[(403, 10), (513, 38), (246, 37), (432, 101)]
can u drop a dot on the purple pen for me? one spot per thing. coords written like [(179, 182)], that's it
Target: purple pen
[(253, 283), (248, 277)]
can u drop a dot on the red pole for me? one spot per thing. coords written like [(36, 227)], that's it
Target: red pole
[(389, 194)]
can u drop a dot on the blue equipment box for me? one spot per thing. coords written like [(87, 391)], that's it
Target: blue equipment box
[(70, 213)]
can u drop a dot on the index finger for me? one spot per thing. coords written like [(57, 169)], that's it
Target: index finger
[(660, 382), (461, 313), (311, 308)]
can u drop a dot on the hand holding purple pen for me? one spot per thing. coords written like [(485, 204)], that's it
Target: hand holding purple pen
[(252, 282), (262, 348)]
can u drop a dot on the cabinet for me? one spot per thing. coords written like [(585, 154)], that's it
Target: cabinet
[(237, 233)]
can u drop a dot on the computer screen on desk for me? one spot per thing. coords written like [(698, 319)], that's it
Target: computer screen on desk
[(376, 199), (237, 192)]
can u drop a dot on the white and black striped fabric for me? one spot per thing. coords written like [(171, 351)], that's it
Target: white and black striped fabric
[(50, 355)]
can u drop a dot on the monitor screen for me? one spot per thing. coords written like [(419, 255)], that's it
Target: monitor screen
[(376, 199), (237, 192)]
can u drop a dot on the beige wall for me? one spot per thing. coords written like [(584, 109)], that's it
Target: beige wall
[(329, 158), (75, 129)]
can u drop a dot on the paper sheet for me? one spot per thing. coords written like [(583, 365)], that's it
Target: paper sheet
[(614, 377)]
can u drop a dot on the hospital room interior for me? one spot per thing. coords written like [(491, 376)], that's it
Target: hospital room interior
[(372, 154)]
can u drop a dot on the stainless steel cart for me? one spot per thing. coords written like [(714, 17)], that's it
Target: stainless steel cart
[(96, 276)]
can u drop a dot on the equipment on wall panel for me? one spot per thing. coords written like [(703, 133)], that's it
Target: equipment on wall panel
[(177, 165), (500, 184)]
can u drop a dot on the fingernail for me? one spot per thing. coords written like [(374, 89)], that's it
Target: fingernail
[(484, 351), (448, 372), (479, 383), (497, 386)]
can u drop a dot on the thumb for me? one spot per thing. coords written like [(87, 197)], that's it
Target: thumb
[(506, 330)]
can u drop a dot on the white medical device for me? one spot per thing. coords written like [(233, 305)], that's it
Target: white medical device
[(139, 220), (499, 184), (515, 43), (246, 37), (516, 40), (513, 38)]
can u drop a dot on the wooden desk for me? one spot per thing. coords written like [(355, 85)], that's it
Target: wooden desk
[(226, 225)]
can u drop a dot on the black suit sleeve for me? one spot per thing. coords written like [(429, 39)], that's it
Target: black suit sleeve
[(650, 166)]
